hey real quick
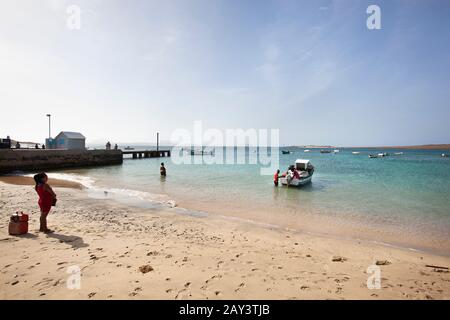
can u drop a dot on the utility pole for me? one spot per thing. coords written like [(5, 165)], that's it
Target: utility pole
[(49, 125), (157, 141)]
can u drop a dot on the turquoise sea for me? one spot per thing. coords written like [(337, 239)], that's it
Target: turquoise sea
[(401, 200)]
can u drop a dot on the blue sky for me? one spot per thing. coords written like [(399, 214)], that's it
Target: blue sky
[(310, 68)]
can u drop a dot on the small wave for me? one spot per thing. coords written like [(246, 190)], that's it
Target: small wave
[(116, 193)]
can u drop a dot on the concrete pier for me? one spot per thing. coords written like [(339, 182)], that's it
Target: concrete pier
[(147, 153), (37, 160)]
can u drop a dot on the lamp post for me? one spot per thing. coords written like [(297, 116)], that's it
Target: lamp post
[(49, 123)]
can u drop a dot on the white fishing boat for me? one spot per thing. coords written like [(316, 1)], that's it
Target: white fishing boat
[(305, 171), (307, 150), (398, 153), (199, 152), (356, 152), (336, 150)]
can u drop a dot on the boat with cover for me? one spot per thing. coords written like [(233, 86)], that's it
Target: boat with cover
[(305, 171)]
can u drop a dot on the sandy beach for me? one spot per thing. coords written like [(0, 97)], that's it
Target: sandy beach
[(126, 252)]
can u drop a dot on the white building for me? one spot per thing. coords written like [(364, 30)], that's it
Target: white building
[(67, 140)]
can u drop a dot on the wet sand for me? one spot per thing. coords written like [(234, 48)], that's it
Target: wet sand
[(125, 252), (29, 181)]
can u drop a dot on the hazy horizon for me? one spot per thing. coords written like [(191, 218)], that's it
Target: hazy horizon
[(311, 69)]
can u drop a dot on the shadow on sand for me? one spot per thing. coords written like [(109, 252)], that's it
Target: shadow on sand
[(26, 236), (75, 241)]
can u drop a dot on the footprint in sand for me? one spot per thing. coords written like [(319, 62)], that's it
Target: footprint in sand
[(184, 293), (241, 285)]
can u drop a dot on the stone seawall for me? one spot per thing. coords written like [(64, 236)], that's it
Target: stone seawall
[(35, 160)]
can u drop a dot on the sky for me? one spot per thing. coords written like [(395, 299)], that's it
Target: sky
[(311, 69)]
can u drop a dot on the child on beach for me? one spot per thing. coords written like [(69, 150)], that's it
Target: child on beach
[(47, 199)]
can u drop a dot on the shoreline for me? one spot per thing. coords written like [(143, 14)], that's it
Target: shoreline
[(332, 233), (203, 257), (29, 181), (318, 228)]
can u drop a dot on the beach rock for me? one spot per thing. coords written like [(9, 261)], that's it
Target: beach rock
[(382, 262), (338, 259), (14, 282), (145, 268)]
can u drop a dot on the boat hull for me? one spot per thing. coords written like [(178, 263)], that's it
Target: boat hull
[(296, 182)]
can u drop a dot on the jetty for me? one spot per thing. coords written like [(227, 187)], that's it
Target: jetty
[(139, 154), (33, 160)]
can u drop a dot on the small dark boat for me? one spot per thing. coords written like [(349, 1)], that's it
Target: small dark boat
[(373, 156), (325, 151), (285, 151)]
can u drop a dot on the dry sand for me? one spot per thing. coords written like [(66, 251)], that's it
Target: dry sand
[(186, 257)]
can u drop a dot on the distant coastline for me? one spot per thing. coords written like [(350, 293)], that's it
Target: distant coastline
[(415, 147)]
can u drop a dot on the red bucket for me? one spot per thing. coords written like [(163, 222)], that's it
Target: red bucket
[(18, 224), (17, 228)]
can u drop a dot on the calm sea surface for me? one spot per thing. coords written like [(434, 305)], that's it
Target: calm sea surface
[(401, 200)]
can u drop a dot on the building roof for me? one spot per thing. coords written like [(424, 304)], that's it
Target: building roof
[(301, 161), (72, 135)]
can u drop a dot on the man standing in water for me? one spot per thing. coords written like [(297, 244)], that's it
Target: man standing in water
[(162, 170), (275, 178)]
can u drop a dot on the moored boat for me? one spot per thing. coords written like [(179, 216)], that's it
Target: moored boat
[(325, 151), (356, 152), (373, 156), (285, 151), (306, 150), (299, 174)]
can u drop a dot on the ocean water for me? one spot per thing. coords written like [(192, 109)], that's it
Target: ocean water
[(401, 200)]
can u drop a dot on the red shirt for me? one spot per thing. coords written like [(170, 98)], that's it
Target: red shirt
[(45, 197), (275, 177)]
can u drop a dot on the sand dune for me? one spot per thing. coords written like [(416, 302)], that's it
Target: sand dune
[(132, 253)]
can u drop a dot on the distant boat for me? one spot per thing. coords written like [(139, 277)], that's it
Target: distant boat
[(373, 156), (307, 150), (398, 153), (336, 150), (355, 152), (285, 151), (129, 148), (382, 154), (325, 151), (444, 155), (199, 152)]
